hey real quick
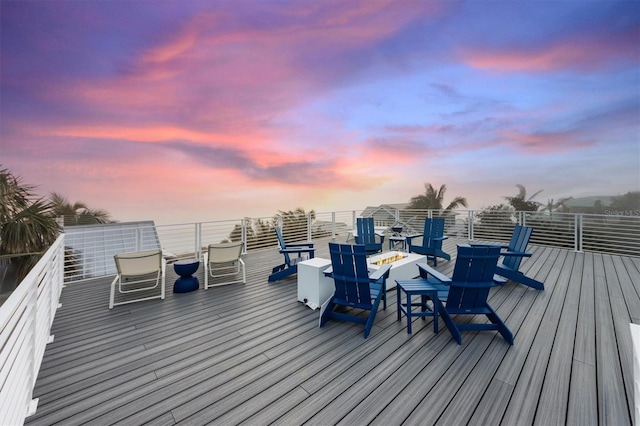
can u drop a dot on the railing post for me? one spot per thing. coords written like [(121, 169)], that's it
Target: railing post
[(198, 240), (470, 230), (33, 364), (243, 226), (523, 219), (578, 232), (308, 226), (333, 225), (138, 239)]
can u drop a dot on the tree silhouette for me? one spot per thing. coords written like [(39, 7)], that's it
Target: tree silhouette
[(555, 206), (77, 213), (521, 203), (27, 227), (627, 204), (434, 200)]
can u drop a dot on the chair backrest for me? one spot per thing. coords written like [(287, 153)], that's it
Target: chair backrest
[(225, 252), (350, 274), (139, 263), (366, 230), (474, 264), (519, 242), (433, 228), (282, 244)]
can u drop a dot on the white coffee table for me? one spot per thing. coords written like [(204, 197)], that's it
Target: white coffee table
[(403, 269), (313, 287)]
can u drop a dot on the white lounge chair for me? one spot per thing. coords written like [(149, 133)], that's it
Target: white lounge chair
[(223, 260), (135, 272)]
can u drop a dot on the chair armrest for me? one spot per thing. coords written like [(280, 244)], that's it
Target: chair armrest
[(473, 284), (410, 237), (297, 250), (379, 273), (499, 280), (428, 270), (444, 237), (328, 272), (515, 253), (301, 244)]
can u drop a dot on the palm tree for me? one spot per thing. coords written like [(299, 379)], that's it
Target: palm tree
[(77, 213), (27, 224), (294, 222), (554, 206), (520, 201), (434, 200)]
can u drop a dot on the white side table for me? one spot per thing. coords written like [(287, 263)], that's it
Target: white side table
[(313, 287)]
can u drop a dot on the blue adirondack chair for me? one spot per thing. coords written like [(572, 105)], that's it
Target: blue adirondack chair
[(303, 250), (367, 236), (515, 251), (468, 290), (355, 288), (432, 239)]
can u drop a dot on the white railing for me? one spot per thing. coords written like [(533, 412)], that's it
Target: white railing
[(578, 232), (25, 325), (27, 315)]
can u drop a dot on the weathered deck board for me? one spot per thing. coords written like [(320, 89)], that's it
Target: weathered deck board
[(252, 354)]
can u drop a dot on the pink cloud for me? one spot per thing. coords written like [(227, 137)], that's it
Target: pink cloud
[(545, 143), (583, 52)]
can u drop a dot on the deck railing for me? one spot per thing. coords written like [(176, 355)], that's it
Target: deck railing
[(578, 232), (25, 325), (27, 315)]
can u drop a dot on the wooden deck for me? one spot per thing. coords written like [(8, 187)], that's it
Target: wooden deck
[(252, 354)]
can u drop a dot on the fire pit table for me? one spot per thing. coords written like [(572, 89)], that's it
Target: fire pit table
[(403, 265)]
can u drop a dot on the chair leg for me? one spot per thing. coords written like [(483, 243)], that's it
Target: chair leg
[(113, 292), (324, 315), (451, 325), (278, 275), (371, 318), (519, 277), (502, 327)]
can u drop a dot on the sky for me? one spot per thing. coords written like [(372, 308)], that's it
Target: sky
[(194, 111)]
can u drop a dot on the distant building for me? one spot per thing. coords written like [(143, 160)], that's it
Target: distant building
[(589, 205)]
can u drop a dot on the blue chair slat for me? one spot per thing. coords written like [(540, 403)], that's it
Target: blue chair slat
[(354, 288), (432, 238), (469, 288), (367, 235)]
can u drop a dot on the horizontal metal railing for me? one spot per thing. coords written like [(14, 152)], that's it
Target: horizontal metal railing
[(89, 253)]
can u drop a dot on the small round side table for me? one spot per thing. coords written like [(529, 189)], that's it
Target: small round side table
[(186, 282)]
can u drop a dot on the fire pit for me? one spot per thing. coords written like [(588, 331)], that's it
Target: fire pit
[(387, 258), (403, 265)]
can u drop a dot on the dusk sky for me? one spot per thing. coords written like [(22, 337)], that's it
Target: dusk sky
[(190, 111)]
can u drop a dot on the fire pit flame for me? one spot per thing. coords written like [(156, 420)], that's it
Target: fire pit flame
[(390, 258)]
